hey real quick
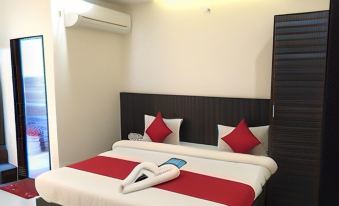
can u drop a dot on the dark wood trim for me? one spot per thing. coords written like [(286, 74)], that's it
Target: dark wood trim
[(2, 120), (19, 101), (330, 141), (201, 114), (3, 154)]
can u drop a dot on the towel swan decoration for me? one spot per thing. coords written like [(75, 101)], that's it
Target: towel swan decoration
[(155, 175)]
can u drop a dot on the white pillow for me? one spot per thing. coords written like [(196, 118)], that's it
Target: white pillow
[(172, 124), (261, 133)]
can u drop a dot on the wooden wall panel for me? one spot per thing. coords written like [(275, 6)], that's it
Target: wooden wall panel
[(201, 114)]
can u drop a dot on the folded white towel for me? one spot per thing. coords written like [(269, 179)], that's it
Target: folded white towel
[(155, 175)]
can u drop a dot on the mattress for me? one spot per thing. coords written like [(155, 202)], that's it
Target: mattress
[(200, 146), (71, 187)]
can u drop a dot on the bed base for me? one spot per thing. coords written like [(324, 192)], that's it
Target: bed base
[(42, 202), (260, 201)]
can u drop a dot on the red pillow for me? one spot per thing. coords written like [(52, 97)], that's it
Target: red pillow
[(241, 139), (158, 130)]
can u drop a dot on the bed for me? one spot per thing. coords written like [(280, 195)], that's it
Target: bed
[(97, 181)]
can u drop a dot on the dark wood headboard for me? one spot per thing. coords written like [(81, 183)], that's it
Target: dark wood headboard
[(201, 114)]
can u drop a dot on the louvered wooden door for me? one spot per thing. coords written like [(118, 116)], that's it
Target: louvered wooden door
[(299, 65)]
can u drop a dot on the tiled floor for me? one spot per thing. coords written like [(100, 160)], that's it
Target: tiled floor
[(7, 199)]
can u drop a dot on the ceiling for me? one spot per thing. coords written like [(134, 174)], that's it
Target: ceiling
[(129, 1)]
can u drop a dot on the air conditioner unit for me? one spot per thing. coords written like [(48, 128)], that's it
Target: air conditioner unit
[(98, 17)]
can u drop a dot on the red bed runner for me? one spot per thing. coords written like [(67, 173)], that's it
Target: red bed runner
[(22, 188), (192, 184)]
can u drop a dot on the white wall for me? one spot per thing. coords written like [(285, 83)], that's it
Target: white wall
[(87, 79), (177, 48), (174, 48), (88, 71), (21, 19)]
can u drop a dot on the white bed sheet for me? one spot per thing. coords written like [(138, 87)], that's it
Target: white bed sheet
[(70, 187), (200, 146)]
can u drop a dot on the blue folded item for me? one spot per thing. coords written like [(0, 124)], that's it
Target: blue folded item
[(179, 163)]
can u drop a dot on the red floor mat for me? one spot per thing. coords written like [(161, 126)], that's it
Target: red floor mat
[(23, 188)]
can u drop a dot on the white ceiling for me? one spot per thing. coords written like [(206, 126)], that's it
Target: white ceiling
[(129, 1)]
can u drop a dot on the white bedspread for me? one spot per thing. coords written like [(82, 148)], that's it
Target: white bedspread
[(71, 187)]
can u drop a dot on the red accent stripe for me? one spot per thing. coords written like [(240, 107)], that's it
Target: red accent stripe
[(192, 184), (23, 188)]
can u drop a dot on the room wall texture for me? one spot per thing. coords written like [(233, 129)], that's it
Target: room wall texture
[(22, 19), (176, 47), (88, 71)]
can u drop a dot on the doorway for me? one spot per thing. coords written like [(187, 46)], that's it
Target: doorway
[(30, 100)]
